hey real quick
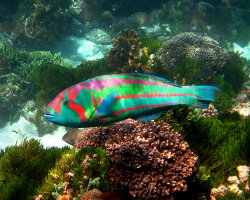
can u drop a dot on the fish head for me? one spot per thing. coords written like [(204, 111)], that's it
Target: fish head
[(64, 110)]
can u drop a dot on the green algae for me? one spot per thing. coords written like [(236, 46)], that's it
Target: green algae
[(221, 144), (152, 45), (51, 79), (229, 80), (22, 168), (87, 164), (90, 69)]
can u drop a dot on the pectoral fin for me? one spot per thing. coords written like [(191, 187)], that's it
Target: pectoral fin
[(105, 108)]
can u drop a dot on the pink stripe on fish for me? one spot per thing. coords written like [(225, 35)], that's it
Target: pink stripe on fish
[(133, 96), (144, 106), (114, 82)]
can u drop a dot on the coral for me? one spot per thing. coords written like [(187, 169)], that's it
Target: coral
[(211, 111), (11, 96), (233, 186), (196, 46), (243, 175), (94, 137), (16, 69), (91, 10), (8, 58), (98, 36), (16, 165), (126, 8), (49, 21), (92, 195), (95, 183), (190, 71), (149, 158), (145, 156), (75, 172), (126, 54), (106, 18), (223, 143)]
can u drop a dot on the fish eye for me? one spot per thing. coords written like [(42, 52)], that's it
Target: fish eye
[(64, 102)]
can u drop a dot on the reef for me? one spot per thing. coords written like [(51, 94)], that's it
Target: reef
[(91, 10), (78, 175), (149, 158), (22, 168), (19, 83), (49, 21), (201, 48), (126, 54), (234, 185)]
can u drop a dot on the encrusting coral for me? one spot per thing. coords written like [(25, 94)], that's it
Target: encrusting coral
[(196, 46), (149, 158)]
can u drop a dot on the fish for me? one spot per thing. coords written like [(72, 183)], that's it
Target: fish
[(105, 99), (72, 135)]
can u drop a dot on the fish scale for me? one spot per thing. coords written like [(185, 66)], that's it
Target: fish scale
[(109, 98)]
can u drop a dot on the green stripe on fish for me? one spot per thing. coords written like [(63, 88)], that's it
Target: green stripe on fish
[(109, 98)]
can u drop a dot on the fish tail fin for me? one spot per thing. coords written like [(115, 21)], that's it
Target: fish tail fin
[(204, 95)]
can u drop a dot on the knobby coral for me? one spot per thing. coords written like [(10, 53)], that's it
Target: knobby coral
[(196, 46), (149, 158)]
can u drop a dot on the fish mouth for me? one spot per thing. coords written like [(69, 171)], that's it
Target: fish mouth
[(49, 116)]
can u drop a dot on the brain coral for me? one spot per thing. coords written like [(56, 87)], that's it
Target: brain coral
[(149, 158), (197, 46)]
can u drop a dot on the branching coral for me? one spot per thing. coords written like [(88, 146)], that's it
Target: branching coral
[(192, 45), (126, 54), (149, 158)]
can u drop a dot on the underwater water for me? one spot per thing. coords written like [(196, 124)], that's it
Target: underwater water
[(169, 120)]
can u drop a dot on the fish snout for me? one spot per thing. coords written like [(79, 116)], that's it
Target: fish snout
[(48, 115)]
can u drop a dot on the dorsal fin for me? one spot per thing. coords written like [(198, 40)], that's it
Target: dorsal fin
[(156, 77)]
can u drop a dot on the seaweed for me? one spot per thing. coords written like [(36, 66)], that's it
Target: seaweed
[(90, 69), (223, 144), (224, 99), (87, 164), (22, 168), (51, 79), (189, 71), (234, 71), (152, 45)]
